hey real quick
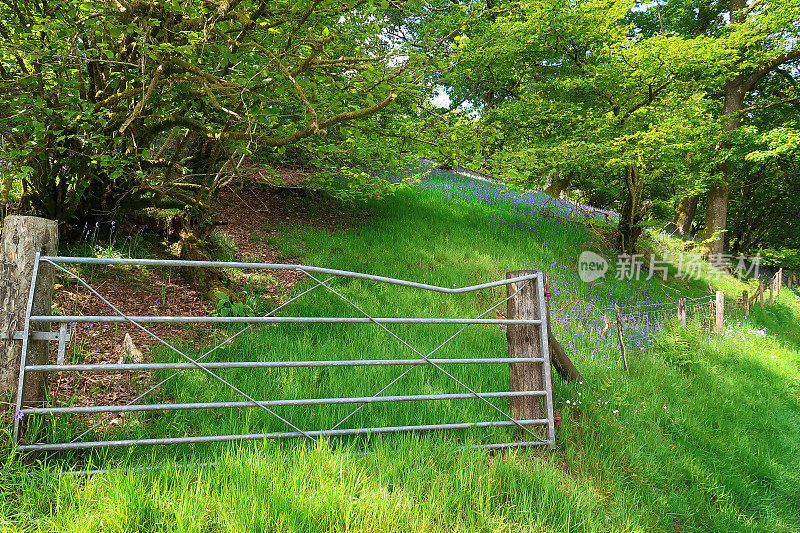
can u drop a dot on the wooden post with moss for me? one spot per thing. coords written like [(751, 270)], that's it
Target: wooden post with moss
[(746, 303), (682, 311), (719, 313), (23, 239), (524, 341)]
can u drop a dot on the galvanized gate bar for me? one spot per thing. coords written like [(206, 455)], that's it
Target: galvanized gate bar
[(25, 341), (272, 403), (440, 368), (113, 367), (251, 321), (284, 435), (277, 266), (504, 445), (546, 370)]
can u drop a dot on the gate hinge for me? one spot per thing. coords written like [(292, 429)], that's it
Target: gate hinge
[(61, 336)]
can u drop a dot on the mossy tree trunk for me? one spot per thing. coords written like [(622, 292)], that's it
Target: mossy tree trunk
[(195, 239), (555, 187), (633, 210), (684, 214)]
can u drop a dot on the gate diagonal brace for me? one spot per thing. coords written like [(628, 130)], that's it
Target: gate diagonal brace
[(426, 358), (199, 365), (206, 354), (401, 375)]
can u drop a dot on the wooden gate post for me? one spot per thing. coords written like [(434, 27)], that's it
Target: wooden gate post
[(720, 312), (524, 340), (682, 311), (620, 339), (761, 292), (746, 303), (23, 238)]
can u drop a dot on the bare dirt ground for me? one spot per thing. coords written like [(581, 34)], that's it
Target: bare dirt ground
[(254, 211)]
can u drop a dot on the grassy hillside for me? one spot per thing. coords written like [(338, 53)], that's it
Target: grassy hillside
[(703, 434)]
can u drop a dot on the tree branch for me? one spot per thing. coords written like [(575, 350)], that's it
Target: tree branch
[(785, 101), (770, 65), (147, 94), (308, 130)]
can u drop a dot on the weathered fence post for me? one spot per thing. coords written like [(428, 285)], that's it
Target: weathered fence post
[(772, 288), (746, 303), (779, 282), (682, 311), (761, 292), (23, 240), (619, 336), (720, 312), (524, 340)]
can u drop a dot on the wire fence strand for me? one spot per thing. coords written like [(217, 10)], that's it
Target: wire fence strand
[(591, 335)]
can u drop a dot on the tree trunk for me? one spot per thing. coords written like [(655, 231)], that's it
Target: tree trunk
[(717, 201), (194, 246), (718, 193), (716, 219), (556, 187), (633, 210), (684, 215)]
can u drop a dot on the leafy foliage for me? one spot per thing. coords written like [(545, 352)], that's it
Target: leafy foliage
[(110, 107), (572, 93), (228, 308)]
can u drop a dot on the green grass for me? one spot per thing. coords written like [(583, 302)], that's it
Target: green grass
[(702, 435)]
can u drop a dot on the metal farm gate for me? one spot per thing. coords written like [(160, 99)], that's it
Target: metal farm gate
[(37, 328)]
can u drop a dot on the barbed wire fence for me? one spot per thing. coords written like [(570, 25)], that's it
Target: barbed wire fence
[(603, 334)]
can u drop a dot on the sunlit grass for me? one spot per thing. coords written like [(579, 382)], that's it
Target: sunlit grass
[(700, 436)]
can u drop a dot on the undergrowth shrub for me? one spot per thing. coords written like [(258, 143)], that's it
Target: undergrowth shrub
[(681, 347)]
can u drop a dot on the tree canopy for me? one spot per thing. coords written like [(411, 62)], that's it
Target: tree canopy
[(110, 106), (650, 108), (574, 93)]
